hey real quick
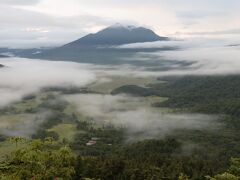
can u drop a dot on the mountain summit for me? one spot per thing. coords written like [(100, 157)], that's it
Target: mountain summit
[(118, 34)]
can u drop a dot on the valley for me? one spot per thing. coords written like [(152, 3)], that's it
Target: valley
[(96, 124)]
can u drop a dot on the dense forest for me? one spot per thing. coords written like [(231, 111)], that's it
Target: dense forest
[(47, 159), (209, 94)]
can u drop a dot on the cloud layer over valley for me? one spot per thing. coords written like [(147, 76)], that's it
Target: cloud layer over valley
[(201, 56), (21, 77), (135, 114)]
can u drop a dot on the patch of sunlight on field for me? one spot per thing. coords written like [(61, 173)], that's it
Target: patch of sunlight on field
[(154, 99), (65, 131), (113, 82)]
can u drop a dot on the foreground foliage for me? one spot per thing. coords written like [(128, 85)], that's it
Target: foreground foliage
[(43, 160), (39, 160)]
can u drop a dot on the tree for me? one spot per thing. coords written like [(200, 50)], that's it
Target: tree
[(233, 173), (16, 140), (235, 166), (224, 176), (40, 160)]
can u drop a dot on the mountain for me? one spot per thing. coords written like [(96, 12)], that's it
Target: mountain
[(118, 35), (1, 66), (101, 47)]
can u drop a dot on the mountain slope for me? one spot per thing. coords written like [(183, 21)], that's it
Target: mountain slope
[(117, 35)]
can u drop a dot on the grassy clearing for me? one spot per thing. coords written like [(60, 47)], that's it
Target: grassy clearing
[(154, 99), (133, 103)]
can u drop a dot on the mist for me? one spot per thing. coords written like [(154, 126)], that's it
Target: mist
[(26, 125), (140, 120), (205, 56), (21, 77)]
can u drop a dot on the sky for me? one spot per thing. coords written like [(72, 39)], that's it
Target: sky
[(46, 23)]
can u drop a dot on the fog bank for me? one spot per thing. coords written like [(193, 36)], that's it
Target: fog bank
[(205, 56), (141, 121), (24, 76)]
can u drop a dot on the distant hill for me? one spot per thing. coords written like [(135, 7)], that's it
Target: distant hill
[(1, 66), (100, 48)]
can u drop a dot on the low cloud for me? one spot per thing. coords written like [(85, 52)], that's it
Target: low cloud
[(201, 56), (140, 120), (156, 44), (19, 2), (21, 77), (146, 124), (208, 61), (25, 124), (21, 28)]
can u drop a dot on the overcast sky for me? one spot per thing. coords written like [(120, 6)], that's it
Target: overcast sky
[(35, 23)]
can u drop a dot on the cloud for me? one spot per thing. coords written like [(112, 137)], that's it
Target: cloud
[(140, 120), (60, 21), (19, 2), (146, 124), (208, 60), (28, 29), (22, 77), (26, 124), (201, 57), (216, 33), (156, 44)]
